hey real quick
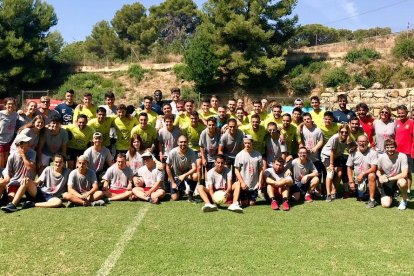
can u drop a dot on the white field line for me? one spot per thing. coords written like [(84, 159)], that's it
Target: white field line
[(110, 262)]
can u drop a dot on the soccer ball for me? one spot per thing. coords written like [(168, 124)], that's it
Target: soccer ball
[(219, 197)]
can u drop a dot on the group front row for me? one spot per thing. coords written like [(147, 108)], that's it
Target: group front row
[(241, 181)]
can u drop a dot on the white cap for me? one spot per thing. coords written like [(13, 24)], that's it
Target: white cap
[(21, 138), (146, 154), (248, 137)]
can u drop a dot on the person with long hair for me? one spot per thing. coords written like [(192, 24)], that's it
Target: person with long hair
[(28, 115), (33, 130), (8, 120), (133, 155), (384, 128)]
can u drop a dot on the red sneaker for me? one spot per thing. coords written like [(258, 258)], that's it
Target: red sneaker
[(274, 205), (285, 206), (308, 198)]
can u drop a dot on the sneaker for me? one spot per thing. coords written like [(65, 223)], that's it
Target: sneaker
[(70, 204), (285, 206), (328, 198), (333, 196), (308, 198), (274, 205), (234, 207), (208, 207), (98, 203), (9, 208), (403, 205), (371, 203), (346, 195), (28, 204)]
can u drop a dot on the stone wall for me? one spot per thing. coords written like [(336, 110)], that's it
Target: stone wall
[(375, 99)]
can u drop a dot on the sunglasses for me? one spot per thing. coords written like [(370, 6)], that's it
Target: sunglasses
[(344, 132)]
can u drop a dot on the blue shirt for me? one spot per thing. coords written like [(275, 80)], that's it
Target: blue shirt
[(343, 117), (66, 112)]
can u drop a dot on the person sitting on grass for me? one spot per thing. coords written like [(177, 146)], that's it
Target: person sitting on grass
[(20, 164), (392, 175), (117, 181), (46, 190), (150, 179), (362, 165), (278, 184), (83, 186), (182, 170), (220, 178), (305, 176), (248, 167)]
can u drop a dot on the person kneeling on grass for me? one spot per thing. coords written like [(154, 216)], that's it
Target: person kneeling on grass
[(392, 174), (220, 178), (305, 176), (46, 190), (118, 180), (83, 186), (278, 184), (149, 180)]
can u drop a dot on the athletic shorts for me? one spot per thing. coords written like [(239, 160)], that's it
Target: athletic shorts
[(40, 196), (181, 186), (46, 159), (230, 161), (197, 153), (299, 187), (118, 191), (339, 162), (410, 163), (12, 188), (250, 195), (390, 188), (73, 154), (5, 147)]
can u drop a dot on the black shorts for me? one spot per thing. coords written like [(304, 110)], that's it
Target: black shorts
[(40, 196), (250, 195), (390, 188)]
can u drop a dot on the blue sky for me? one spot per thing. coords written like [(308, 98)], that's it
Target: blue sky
[(77, 17)]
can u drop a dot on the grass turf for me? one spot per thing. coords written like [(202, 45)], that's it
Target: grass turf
[(342, 237)]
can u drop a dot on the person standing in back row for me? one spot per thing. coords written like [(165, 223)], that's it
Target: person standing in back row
[(343, 115), (66, 108)]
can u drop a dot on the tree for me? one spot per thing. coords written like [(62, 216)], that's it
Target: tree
[(24, 29), (404, 48), (315, 34), (249, 37), (55, 43)]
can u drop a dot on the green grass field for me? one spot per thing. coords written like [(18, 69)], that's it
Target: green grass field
[(342, 237)]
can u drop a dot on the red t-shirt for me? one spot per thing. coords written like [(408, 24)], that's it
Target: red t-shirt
[(367, 125), (403, 135)]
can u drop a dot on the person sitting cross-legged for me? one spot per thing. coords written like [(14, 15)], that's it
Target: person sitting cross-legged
[(220, 178), (117, 181), (278, 184), (149, 180)]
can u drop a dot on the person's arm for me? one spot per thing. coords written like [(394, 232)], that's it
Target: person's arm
[(331, 159), (350, 173), (402, 174), (171, 176), (317, 147), (221, 149), (93, 190), (239, 177), (372, 169), (189, 173), (27, 163), (279, 183), (203, 156), (105, 186), (73, 192)]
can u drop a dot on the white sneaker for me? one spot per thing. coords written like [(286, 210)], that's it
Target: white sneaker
[(235, 208), (403, 205), (208, 207)]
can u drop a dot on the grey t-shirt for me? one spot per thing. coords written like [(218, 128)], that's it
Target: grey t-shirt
[(181, 163), (310, 138), (29, 132), (299, 170), (219, 181), (7, 126), (98, 159), (362, 162), (118, 178), (249, 165), (232, 145), (51, 114), (383, 132), (210, 145), (16, 169), (52, 183), (270, 172), (169, 140), (394, 166), (82, 183), (336, 145), (274, 149), (150, 177), (22, 119), (54, 143)]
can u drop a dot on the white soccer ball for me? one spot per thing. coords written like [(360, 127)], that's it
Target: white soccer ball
[(219, 197)]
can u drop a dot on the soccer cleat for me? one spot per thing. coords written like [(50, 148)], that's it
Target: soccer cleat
[(9, 208), (274, 205), (328, 198), (28, 204), (371, 203), (234, 207), (98, 203), (285, 206), (308, 198), (403, 205)]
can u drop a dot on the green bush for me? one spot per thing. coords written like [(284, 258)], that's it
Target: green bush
[(181, 71), (335, 77), (364, 55), (404, 48), (90, 83), (405, 74), (302, 84), (317, 66), (188, 92), (297, 71), (384, 74), (365, 81), (136, 72)]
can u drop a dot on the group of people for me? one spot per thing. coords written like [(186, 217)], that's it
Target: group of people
[(89, 156)]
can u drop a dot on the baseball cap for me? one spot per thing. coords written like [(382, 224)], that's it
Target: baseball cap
[(22, 138), (146, 154), (298, 101), (97, 135), (248, 137)]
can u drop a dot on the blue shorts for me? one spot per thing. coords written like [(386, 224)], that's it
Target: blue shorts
[(40, 196), (181, 186), (299, 187), (250, 195)]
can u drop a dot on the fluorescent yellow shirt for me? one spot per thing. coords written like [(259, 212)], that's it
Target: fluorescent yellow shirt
[(152, 117), (328, 133), (292, 139), (182, 120), (262, 116), (80, 138), (258, 137), (318, 117), (103, 128), (90, 112), (148, 135), (205, 116), (230, 115), (123, 129), (270, 118), (193, 135)]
